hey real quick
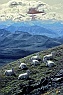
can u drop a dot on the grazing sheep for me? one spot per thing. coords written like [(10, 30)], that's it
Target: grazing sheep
[(49, 56), (23, 66), (36, 57), (24, 75), (9, 72), (35, 62), (50, 63)]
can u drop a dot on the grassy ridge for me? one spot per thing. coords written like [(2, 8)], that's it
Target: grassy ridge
[(10, 85)]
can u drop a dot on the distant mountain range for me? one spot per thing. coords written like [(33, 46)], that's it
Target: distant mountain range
[(48, 28), (19, 39), (20, 44), (34, 30)]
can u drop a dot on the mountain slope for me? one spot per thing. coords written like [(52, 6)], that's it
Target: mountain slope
[(20, 44), (34, 30), (48, 28), (10, 85)]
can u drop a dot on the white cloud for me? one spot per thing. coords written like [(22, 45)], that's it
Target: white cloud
[(18, 10)]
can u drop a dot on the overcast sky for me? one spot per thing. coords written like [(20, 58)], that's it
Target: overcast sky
[(3, 1), (51, 2)]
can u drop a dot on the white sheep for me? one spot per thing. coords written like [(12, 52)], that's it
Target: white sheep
[(9, 72), (24, 75), (50, 63), (35, 57), (35, 62), (49, 56), (23, 66)]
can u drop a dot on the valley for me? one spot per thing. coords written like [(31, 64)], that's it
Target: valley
[(20, 44), (19, 39)]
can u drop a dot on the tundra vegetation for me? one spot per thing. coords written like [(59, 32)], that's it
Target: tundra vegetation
[(42, 80)]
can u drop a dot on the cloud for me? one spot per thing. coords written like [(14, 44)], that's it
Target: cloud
[(17, 10)]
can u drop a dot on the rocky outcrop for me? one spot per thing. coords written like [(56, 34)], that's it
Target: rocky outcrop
[(37, 88)]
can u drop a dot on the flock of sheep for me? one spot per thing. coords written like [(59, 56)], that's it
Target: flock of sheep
[(35, 60)]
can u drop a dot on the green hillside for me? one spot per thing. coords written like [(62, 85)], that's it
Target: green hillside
[(10, 85)]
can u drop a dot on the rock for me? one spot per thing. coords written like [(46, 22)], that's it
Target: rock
[(61, 71), (59, 74), (57, 79), (44, 81), (32, 81)]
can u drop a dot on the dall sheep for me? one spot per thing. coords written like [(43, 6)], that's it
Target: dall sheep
[(49, 56), (35, 62), (24, 75), (36, 57), (50, 63), (9, 72), (23, 66)]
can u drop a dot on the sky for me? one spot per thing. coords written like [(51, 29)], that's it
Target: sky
[(57, 5), (51, 2), (3, 1)]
